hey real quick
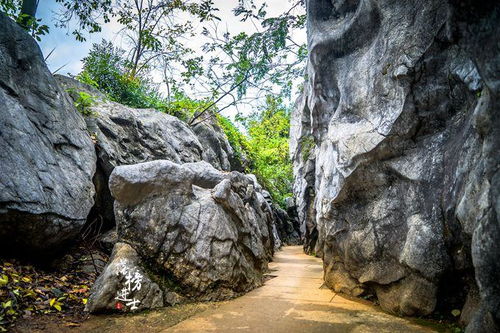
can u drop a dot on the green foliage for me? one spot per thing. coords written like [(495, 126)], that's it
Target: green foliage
[(268, 141), (266, 146), (265, 60), (151, 29), (237, 140), (88, 15), (182, 106), (106, 69), (307, 144), (86, 78)]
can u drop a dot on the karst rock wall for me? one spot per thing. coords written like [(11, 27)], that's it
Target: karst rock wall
[(395, 143)]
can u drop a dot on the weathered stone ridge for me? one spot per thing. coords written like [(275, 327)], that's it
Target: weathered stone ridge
[(47, 160), (395, 147)]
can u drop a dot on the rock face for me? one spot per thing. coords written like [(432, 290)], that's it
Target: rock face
[(47, 160), (127, 136), (395, 147), (200, 233), (217, 149), (286, 222)]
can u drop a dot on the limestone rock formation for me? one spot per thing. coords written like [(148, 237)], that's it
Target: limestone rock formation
[(127, 136), (47, 160), (286, 222), (201, 233), (287, 227), (395, 147)]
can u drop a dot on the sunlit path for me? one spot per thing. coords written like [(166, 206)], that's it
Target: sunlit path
[(294, 301)]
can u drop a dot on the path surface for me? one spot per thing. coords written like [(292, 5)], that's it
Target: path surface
[(294, 301), (291, 302)]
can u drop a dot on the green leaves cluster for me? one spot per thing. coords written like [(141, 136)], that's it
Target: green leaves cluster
[(266, 60), (268, 135), (83, 102), (105, 69), (88, 14), (237, 140)]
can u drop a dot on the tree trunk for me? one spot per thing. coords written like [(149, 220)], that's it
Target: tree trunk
[(28, 11)]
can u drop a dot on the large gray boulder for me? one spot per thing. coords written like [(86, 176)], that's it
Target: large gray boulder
[(126, 135), (395, 147), (201, 233), (48, 158)]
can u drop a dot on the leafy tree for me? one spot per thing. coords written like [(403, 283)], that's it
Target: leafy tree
[(266, 61), (268, 133), (88, 14), (153, 32), (263, 61), (106, 69), (266, 146), (151, 29)]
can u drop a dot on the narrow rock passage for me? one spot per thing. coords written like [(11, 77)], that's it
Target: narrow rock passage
[(294, 301)]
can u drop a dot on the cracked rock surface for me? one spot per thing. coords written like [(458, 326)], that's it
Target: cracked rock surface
[(47, 158), (395, 148)]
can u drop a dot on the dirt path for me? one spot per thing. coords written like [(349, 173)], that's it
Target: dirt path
[(294, 301)]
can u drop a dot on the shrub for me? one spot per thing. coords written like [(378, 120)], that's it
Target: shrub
[(237, 140), (308, 144), (106, 69), (83, 103)]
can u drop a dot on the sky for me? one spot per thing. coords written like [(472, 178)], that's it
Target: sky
[(68, 53)]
